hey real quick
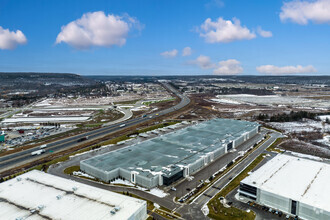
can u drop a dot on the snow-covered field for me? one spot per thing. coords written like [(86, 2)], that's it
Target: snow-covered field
[(226, 101), (275, 100), (44, 119), (324, 117), (297, 127)]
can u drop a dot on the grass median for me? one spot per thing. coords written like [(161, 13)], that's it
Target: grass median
[(216, 208)]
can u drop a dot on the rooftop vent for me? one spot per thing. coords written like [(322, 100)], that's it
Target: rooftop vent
[(58, 197)]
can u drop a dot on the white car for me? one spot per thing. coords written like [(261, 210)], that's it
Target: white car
[(173, 189)]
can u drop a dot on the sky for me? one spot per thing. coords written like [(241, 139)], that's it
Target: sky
[(166, 37)]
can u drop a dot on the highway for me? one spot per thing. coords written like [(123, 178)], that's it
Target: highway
[(13, 160)]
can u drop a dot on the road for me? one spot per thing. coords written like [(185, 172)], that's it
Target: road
[(215, 188), (187, 211), (13, 160)]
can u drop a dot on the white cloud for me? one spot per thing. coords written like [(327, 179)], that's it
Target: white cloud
[(170, 54), (224, 31), (203, 62), (264, 33), (223, 67), (228, 67), (271, 69), (187, 51), (9, 40), (97, 29), (302, 12)]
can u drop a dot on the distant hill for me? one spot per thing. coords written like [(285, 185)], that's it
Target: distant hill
[(25, 78)]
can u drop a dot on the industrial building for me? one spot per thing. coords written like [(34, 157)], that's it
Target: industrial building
[(37, 195), (165, 159), (292, 185)]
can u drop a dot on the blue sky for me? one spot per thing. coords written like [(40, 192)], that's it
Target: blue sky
[(159, 26)]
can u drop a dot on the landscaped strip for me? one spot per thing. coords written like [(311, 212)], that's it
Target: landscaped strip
[(216, 208)]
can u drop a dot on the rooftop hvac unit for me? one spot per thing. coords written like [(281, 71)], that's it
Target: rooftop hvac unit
[(74, 188)]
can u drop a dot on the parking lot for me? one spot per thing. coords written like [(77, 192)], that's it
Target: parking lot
[(18, 136), (262, 212)]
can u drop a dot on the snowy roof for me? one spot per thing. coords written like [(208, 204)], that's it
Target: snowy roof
[(38, 195), (299, 179), (176, 149)]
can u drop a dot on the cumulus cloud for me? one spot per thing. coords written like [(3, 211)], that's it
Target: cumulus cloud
[(203, 62), (9, 40), (97, 29), (224, 31), (187, 51), (302, 12), (271, 69), (170, 54), (264, 33), (224, 67), (228, 67)]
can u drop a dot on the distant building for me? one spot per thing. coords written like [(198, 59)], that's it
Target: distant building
[(38, 195), (165, 159), (292, 185)]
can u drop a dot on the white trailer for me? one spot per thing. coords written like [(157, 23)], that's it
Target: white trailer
[(43, 146), (38, 152)]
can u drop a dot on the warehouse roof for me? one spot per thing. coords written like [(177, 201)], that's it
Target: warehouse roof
[(299, 179), (161, 155), (37, 195)]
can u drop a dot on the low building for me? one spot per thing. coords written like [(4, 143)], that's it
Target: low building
[(167, 158), (292, 185), (38, 195)]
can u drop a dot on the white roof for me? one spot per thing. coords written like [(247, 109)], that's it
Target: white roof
[(299, 179), (57, 198)]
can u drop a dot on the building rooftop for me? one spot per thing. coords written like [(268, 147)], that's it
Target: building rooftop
[(299, 179), (37, 195), (164, 154)]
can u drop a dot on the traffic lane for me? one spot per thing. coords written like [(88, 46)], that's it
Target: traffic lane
[(27, 155), (233, 172), (58, 147), (75, 138), (206, 172), (238, 168)]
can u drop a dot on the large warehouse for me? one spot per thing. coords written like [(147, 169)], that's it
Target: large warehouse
[(37, 195), (293, 185), (165, 159)]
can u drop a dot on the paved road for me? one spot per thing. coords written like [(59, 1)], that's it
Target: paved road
[(20, 158), (193, 211), (206, 172), (215, 188)]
